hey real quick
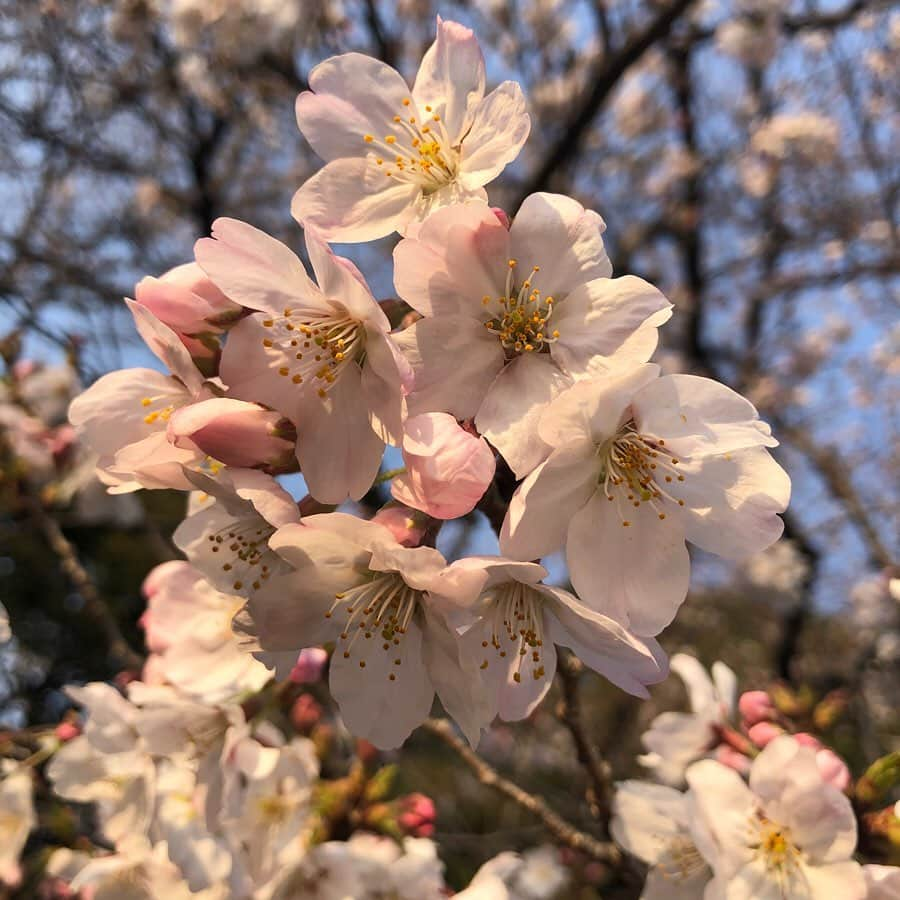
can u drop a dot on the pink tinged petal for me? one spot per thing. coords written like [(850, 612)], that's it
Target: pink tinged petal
[(453, 360), (154, 463), (542, 506), (563, 238), (843, 881), (510, 413), (338, 451), (610, 319), (637, 574), (518, 699), (232, 431), (451, 194), (755, 881), (386, 377), (448, 469), (251, 369), (353, 200), (255, 269), (500, 127), (629, 662), (458, 257), (451, 78), (166, 346), (420, 567), (351, 95), (119, 398), (732, 502), (339, 280), (374, 707), (698, 416), (455, 678), (362, 534)]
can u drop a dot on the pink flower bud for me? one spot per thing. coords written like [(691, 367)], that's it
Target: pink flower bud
[(501, 216), (756, 706), (66, 731), (833, 769), (447, 468), (186, 300), (234, 432), (764, 733), (309, 665), (417, 815), (728, 756), (306, 713), (808, 740), (159, 575), (408, 526)]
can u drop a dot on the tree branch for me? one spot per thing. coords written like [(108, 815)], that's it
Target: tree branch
[(563, 831)]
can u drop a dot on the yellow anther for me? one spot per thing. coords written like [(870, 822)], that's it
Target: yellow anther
[(151, 418), (267, 342), (406, 101), (436, 117), (268, 323), (379, 161), (555, 333), (511, 263), (369, 138), (284, 370), (427, 109), (297, 379), (146, 401), (397, 119), (390, 139)]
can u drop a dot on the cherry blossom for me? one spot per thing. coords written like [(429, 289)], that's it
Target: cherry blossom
[(639, 465), (380, 603), (320, 355), (17, 818), (394, 155), (788, 833), (512, 315)]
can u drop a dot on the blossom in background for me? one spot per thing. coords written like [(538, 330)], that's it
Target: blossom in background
[(517, 624), (655, 823), (123, 416), (355, 585), (448, 468), (320, 355), (674, 739), (17, 818), (641, 463), (512, 315), (394, 155), (788, 834)]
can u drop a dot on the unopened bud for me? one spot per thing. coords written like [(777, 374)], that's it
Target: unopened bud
[(408, 526), (234, 432), (67, 731), (830, 709), (764, 733), (808, 740), (501, 215), (186, 300), (306, 713), (833, 769), (417, 815), (788, 702), (309, 666), (755, 707), (882, 776)]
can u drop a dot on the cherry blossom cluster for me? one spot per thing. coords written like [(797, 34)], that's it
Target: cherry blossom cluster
[(516, 349), (749, 806)]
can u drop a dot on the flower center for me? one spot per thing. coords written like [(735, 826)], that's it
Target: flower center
[(773, 843), (517, 626), (637, 468), (243, 547), (380, 610), (521, 317), (418, 149), (315, 348)]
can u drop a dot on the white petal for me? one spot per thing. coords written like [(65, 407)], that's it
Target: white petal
[(348, 201), (614, 319), (386, 375), (563, 238), (698, 416), (454, 360), (539, 512), (646, 816), (253, 268), (841, 881), (499, 130), (696, 679), (167, 346), (509, 415), (637, 575)]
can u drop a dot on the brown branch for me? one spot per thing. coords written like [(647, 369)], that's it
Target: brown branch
[(599, 791), (602, 81), (94, 607), (563, 831)]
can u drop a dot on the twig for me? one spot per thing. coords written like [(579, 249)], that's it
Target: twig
[(562, 830), (94, 607), (599, 788)]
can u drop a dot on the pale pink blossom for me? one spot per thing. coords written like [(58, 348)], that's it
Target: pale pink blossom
[(763, 733), (123, 417), (356, 586), (788, 834), (17, 818), (639, 465), (517, 623), (755, 707), (393, 155), (235, 433), (448, 468), (319, 354), (833, 769), (513, 315)]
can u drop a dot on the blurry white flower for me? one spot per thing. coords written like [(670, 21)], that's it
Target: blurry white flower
[(806, 136), (17, 818)]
